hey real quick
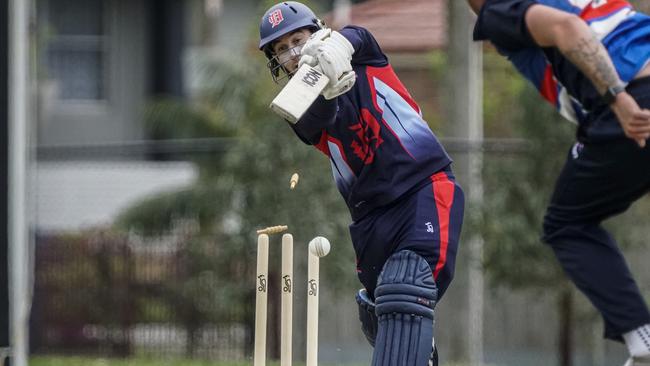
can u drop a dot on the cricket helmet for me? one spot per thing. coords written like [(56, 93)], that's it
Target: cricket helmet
[(281, 19)]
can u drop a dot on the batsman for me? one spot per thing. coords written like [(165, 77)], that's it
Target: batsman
[(393, 173)]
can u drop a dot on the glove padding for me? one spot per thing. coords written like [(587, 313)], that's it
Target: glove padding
[(369, 321), (345, 83), (332, 52)]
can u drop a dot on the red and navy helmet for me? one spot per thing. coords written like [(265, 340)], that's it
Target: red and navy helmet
[(284, 18)]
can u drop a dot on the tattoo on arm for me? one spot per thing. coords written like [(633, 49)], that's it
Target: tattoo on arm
[(591, 57)]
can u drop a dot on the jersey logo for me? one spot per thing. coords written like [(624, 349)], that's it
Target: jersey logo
[(368, 139), (275, 18)]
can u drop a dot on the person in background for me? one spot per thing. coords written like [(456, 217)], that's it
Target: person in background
[(590, 59)]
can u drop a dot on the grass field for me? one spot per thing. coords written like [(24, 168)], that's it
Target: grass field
[(92, 361)]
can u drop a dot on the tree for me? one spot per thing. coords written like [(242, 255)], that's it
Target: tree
[(514, 209), (245, 189)]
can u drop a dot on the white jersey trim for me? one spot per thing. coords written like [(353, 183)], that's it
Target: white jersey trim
[(604, 27), (342, 172), (567, 106)]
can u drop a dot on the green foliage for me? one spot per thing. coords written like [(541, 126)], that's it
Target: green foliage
[(631, 228), (502, 85), (157, 214), (256, 172), (95, 265), (438, 68), (438, 62), (167, 118), (86, 361), (518, 188), (245, 189)]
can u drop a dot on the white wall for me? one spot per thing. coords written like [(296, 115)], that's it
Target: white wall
[(74, 195)]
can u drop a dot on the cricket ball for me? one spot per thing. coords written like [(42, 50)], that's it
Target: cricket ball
[(319, 246)]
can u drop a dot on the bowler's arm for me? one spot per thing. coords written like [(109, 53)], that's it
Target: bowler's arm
[(578, 43), (572, 36)]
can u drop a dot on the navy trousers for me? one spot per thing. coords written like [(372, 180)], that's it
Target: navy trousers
[(599, 180), (427, 222)]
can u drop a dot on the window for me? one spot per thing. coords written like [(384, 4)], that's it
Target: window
[(75, 52), (92, 70)]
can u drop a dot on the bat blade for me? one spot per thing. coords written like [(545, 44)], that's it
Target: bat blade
[(299, 93)]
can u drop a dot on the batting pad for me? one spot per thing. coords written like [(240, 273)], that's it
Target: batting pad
[(405, 297)]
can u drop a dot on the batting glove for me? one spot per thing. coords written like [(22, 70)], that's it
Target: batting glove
[(308, 50), (331, 51), (345, 83)]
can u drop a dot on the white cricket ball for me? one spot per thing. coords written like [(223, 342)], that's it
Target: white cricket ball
[(319, 246)]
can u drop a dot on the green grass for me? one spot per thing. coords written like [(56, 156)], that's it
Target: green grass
[(141, 361), (95, 361)]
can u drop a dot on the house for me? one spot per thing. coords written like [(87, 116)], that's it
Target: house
[(100, 62), (408, 31), (407, 26)]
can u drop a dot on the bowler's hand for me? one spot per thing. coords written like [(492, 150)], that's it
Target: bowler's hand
[(634, 120)]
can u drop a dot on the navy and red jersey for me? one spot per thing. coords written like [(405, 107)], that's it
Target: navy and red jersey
[(378, 144), (622, 30)]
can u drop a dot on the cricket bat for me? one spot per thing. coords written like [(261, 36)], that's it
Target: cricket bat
[(299, 93)]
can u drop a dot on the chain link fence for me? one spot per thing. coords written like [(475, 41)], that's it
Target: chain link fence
[(187, 291)]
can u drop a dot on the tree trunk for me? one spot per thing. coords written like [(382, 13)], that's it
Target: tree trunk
[(565, 336)]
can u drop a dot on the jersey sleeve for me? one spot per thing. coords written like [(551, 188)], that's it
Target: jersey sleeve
[(366, 48), (503, 22), (319, 116)]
